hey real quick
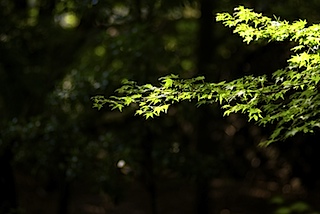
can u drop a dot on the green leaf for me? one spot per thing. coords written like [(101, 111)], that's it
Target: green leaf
[(148, 114), (118, 106), (168, 83)]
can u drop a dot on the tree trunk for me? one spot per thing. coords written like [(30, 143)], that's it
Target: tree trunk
[(64, 195), (206, 43), (8, 201), (202, 196), (205, 55), (148, 169)]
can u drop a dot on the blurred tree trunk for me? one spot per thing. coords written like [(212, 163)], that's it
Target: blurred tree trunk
[(206, 43), (64, 195), (147, 143), (148, 169), (8, 201), (205, 53)]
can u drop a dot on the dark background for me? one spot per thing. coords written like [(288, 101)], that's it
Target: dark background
[(58, 155)]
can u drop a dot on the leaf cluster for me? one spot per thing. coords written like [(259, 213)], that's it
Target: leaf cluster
[(289, 100)]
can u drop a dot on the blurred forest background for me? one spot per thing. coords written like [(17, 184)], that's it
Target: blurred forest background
[(60, 156)]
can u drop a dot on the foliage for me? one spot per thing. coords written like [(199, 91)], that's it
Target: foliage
[(289, 99), (56, 54), (45, 92), (283, 207)]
